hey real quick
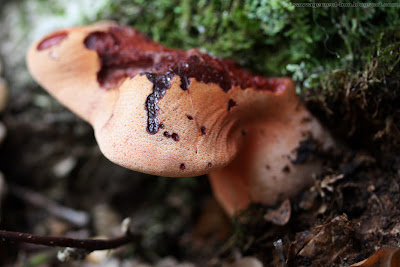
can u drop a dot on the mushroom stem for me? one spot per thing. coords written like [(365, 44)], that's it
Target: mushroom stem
[(277, 158)]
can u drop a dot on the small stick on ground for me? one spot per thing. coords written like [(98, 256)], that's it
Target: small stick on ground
[(55, 241)]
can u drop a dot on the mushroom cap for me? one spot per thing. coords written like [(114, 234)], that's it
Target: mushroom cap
[(153, 109), (183, 113), (62, 64)]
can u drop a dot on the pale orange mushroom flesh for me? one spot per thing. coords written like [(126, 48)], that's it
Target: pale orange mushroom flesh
[(181, 113)]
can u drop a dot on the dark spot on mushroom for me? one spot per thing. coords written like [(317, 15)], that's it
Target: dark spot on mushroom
[(305, 151), (231, 104), (182, 167), (306, 134), (203, 129), (175, 137), (244, 132), (161, 82), (209, 165), (306, 120), (161, 126), (52, 40), (185, 82), (286, 169), (268, 167), (189, 117)]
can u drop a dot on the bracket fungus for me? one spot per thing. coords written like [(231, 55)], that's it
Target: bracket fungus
[(181, 113)]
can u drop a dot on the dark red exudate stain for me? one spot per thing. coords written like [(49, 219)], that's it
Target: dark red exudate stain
[(189, 117), (52, 40), (124, 52), (182, 167), (209, 165), (286, 169), (203, 129), (161, 82), (231, 104), (175, 137)]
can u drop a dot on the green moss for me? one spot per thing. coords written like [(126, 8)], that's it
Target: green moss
[(270, 37), (362, 104)]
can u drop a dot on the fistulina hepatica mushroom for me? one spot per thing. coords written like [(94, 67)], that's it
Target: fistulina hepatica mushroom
[(178, 113)]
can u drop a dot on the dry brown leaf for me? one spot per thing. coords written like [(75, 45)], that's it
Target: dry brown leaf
[(325, 243), (281, 215), (383, 257)]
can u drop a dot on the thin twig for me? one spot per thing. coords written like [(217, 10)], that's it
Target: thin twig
[(76, 217), (55, 241)]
